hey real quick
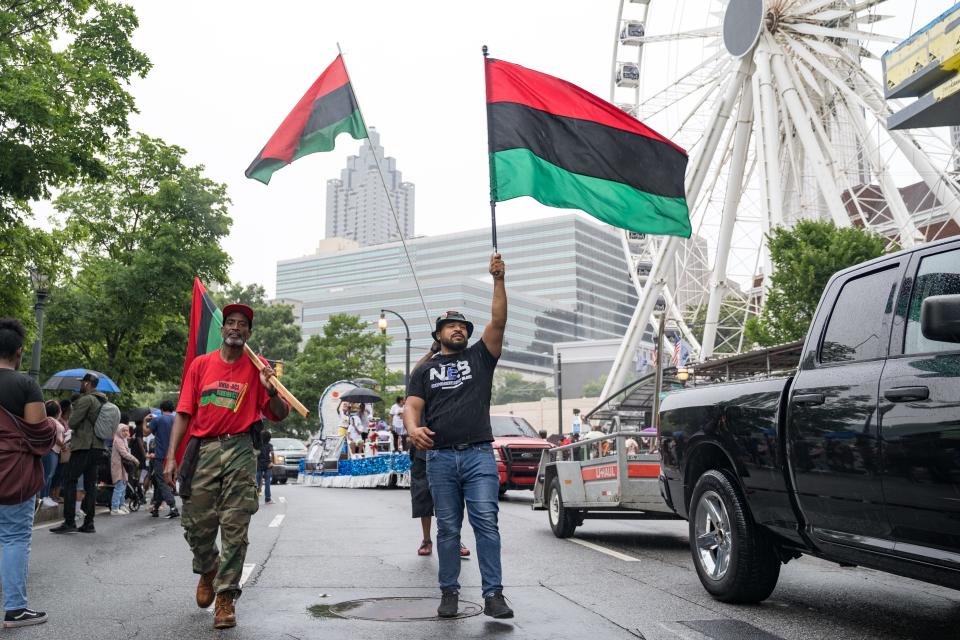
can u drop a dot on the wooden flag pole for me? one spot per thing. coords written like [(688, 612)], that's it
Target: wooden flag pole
[(282, 390), (493, 172)]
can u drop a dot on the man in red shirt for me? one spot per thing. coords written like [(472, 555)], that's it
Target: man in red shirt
[(222, 396)]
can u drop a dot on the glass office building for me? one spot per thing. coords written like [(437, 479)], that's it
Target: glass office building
[(567, 280)]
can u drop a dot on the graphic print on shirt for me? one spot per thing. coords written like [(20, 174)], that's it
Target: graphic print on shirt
[(224, 394), (450, 375)]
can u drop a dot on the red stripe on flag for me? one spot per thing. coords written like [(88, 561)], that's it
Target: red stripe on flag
[(607, 472), (508, 82), (283, 143), (643, 470)]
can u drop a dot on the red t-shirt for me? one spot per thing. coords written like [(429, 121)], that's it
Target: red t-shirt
[(223, 397)]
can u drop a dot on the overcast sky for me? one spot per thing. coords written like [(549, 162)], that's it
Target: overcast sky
[(226, 73)]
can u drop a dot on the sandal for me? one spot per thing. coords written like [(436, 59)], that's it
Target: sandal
[(426, 548)]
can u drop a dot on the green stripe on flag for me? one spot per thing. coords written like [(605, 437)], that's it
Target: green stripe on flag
[(214, 338), (324, 139), (521, 173)]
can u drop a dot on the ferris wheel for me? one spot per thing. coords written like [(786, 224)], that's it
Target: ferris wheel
[(776, 104)]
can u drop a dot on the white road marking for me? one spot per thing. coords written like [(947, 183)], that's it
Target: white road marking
[(283, 500), (247, 570), (277, 520), (609, 552)]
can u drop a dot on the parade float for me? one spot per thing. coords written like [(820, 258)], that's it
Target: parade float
[(336, 458)]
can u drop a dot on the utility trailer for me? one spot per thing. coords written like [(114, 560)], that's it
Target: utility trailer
[(599, 478)]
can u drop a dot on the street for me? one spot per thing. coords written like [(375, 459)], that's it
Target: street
[(320, 547)]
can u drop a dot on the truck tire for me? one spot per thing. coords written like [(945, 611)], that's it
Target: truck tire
[(563, 521), (734, 558), (502, 491)]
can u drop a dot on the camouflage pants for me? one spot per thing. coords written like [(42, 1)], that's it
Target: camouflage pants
[(224, 497)]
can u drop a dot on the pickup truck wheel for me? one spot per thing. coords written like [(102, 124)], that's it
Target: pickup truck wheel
[(735, 560), (502, 491), (563, 521)]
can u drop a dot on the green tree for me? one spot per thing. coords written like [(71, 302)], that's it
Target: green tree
[(138, 238), (63, 70), (276, 335), (804, 258), (509, 386), (347, 349)]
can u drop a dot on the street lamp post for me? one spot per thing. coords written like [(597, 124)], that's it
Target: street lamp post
[(40, 282), (383, 327)]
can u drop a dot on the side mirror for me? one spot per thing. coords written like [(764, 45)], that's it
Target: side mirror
[(940, 318)]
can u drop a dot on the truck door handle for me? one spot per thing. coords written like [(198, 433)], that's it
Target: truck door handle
[(809, 399), (906, 394)]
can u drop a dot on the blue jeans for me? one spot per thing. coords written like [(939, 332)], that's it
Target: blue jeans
[(119, 493), (467, 476), (264, 476), (16, 530), (50, 462)]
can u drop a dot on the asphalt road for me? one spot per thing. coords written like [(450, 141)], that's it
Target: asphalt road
[(322, 547)]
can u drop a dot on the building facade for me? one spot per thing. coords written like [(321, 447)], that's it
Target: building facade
[(567, 280), (357, 206)]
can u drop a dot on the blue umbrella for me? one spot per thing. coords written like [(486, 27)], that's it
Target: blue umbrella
[(69, 380)]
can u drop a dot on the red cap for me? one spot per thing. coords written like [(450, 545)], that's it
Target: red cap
[(236, 307)]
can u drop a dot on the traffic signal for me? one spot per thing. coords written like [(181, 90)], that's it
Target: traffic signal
[(279, 368)]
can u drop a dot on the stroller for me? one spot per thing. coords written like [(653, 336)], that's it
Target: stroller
[(134, 495)]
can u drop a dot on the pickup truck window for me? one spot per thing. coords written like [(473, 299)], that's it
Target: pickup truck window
[(938, 275), (859, 325)]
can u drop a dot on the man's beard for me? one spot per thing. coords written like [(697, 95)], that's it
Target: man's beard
[(454, 346), (234, 341)]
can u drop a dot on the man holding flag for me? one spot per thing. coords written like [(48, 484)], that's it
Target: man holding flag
[(223, 395)]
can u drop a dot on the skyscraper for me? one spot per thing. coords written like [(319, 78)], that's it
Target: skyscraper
[(357, 207)]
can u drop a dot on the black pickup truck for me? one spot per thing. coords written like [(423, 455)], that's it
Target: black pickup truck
[(855, 458)]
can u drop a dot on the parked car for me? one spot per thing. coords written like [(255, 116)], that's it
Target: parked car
[(855, 458), (517, 448), (287, 454)]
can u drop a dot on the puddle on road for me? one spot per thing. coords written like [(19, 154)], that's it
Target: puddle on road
[(389, 609)]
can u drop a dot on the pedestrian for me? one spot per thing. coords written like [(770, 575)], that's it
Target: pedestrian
[(265, 466), (162, 426), (122, 464), (150, 447), (396, 423), (452, 392), (223, 395), (26, 435), (52, 459), (86, 452)]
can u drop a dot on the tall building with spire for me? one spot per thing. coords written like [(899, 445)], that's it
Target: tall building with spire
[(357, 206)]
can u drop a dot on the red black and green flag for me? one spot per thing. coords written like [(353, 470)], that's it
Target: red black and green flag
[(206, 319), (327, 109), (565, 147)]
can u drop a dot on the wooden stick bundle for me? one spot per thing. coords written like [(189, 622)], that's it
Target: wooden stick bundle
[(282, 390)]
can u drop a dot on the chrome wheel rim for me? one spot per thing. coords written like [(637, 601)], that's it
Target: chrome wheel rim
[(555, 507), (712, 535)]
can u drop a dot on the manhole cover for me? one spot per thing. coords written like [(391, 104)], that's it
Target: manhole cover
[(390, 609)]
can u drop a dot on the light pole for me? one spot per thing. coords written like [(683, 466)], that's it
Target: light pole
[(40, 283), (559, 393), (383, 328)]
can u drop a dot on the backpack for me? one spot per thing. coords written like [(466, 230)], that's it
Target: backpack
[(105, 426)]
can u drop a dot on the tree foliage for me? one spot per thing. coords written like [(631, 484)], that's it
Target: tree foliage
[(64, 67), (594, 388), (804, 258), (276, 335), (138, 238), (509, 386), (347, 349)]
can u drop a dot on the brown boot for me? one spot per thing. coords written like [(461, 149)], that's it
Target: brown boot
[(224, 615), (205, 592)]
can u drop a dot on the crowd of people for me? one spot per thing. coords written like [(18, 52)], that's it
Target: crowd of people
[(368, 435)]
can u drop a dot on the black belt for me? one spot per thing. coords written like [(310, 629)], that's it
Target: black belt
[(225, 437), (461, 447)]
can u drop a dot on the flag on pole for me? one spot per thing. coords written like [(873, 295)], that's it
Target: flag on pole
[(681, 353), (327, 109), (567, 148), (206, 319)]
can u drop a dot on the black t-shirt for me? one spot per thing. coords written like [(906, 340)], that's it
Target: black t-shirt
[(456, 394), (265, 456), (18, 390)]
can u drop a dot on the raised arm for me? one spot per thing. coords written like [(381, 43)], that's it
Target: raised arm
[(493, 332)]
